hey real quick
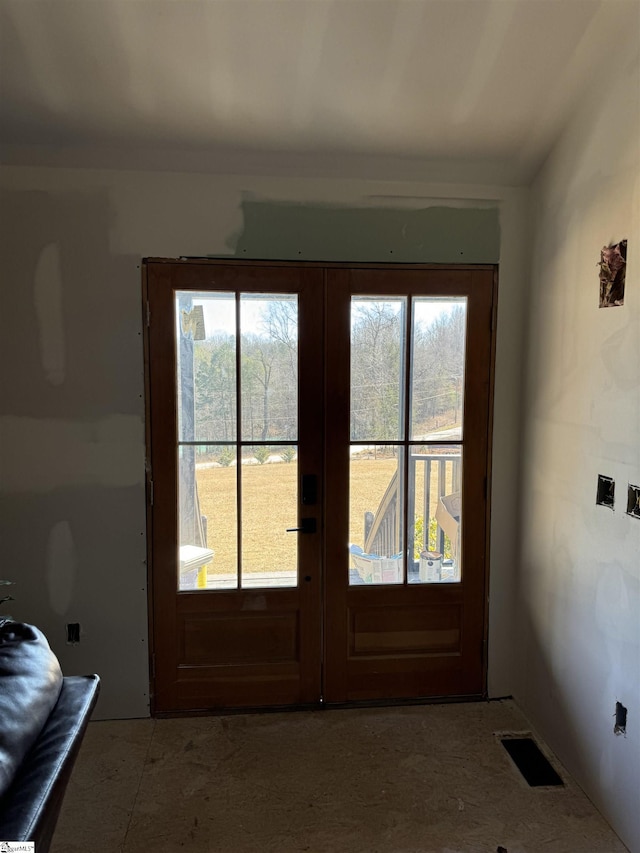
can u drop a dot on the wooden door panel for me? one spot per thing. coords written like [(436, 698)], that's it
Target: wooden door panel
[(409, 651), (407, 680), (242, 686), (232, 647), (409, 630), (408, 640), (223, 639)]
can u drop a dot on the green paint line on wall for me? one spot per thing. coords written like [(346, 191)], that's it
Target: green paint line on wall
[(283, 231)]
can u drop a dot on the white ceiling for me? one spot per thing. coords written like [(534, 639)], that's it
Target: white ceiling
[(447, 81)]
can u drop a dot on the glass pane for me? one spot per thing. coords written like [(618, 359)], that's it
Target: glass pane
[(208, 554), (435, 499), (269, 367), (377, 368), (269, 507), (206, 352), (376, 516), (437, 367)]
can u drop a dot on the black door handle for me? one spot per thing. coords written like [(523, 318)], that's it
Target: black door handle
[(307, 525)]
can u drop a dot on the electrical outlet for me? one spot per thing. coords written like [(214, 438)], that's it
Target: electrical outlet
[(605, 496), (73, 633)]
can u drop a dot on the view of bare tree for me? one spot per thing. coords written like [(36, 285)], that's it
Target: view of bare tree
[(269, 373)]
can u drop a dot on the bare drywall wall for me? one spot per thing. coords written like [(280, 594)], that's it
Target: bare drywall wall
[(72, 414), (273, 230), (579, 585), (72, 437)]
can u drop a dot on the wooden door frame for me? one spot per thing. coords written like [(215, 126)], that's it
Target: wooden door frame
[(152, 615)]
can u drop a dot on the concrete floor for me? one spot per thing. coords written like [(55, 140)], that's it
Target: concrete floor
[(416, 779)]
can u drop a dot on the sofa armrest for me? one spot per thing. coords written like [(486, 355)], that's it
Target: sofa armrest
[(30, 807)]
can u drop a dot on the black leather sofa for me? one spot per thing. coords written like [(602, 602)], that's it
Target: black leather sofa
[(43, 718)]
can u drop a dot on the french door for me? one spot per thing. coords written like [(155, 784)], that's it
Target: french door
[(408, 390), (318, 448)]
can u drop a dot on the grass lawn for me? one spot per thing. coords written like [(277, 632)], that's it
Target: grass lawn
[(269, 506)]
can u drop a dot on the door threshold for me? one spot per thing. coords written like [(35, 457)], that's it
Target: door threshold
[(230, 712), (321, 706), (401, 703)]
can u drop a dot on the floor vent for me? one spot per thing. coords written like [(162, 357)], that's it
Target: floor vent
[(527, 757)]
